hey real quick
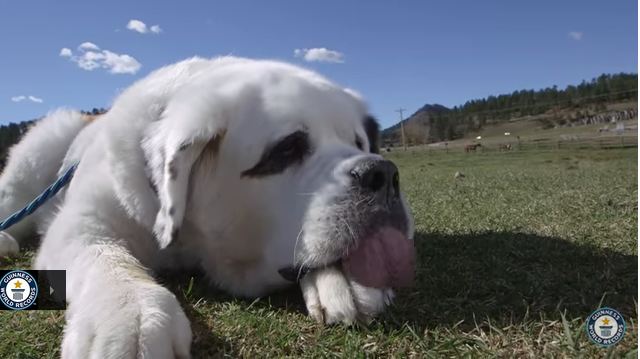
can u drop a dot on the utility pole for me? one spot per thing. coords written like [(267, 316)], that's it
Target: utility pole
[(404, 141)]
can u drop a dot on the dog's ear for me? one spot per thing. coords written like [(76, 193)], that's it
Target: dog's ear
[(171, 151), (372, 129)]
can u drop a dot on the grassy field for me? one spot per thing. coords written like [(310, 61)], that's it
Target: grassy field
[(534, 135), (512, 258)]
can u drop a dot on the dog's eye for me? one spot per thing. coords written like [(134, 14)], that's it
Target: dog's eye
[(276, 158), (289, 148), (359, 143)]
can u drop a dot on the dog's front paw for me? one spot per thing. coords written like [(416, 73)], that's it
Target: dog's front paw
[(331, 297), (141, 320)]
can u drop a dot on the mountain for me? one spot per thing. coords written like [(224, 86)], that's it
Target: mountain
[(417, 127)]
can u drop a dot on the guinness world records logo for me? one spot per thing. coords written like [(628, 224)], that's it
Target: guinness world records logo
[(18, 290), (605, 327)]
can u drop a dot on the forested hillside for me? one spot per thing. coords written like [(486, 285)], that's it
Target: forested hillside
[(433, 123)]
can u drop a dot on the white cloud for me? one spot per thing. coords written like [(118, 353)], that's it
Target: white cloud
[(91, 58), (120, 64), (87, 46), (319, 54), (576, 35), (137, 25), (141, 27), (24, 98), (65, 52)]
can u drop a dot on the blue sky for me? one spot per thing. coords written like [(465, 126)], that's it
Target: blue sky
[(396, 53)]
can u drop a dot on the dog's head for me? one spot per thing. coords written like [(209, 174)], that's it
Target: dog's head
[(277, 155)]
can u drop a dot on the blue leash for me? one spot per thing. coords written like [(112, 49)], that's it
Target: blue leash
[(51, 191)]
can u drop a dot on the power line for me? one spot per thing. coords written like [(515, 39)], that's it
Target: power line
[(404, 142)]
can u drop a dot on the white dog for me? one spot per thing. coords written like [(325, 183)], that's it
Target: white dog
[(258, 172)]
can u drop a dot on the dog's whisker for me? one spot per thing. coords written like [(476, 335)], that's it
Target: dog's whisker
[(306, 193), (302, 268), (353, 236), (361, 201), (295, 246)]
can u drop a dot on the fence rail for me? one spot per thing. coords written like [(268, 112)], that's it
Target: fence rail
[(602, 142)]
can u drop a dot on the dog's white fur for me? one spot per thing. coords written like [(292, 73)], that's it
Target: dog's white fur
[(191, 128)]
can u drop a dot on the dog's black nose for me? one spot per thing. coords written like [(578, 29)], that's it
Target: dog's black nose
[(377, 175)]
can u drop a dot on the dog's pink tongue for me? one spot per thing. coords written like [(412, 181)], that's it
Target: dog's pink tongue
[(383, 260)]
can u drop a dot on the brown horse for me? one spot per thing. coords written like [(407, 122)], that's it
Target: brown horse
[(471, 147)]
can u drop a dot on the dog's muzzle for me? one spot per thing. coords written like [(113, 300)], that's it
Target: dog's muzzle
[(382, 256)]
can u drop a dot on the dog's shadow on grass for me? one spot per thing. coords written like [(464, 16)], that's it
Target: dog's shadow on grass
[(468, 280), (508, 278)]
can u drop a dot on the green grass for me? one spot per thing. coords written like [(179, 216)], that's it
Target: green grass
[(511, 260)]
